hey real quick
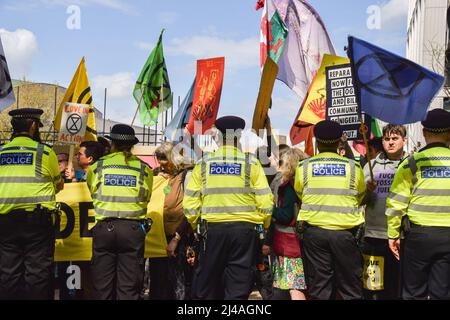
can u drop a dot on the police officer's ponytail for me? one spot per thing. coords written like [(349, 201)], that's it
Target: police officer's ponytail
[(125, 148)]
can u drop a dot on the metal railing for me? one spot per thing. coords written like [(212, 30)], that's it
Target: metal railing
[(146, 137)]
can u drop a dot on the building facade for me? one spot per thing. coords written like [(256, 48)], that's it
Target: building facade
[(428, 45)]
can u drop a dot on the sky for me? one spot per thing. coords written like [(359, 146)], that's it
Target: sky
[(44, 41)]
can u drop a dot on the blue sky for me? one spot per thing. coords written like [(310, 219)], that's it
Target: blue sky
[(116, 37)]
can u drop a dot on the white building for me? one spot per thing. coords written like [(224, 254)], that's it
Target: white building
[(427, 45)]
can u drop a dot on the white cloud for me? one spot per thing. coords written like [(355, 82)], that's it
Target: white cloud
[(119, 85), (239, 54), (394, 14), (168, 17), (20, 47), (144, 45)]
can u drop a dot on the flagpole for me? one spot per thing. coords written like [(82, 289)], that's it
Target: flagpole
[(137, 109), (364, 130)]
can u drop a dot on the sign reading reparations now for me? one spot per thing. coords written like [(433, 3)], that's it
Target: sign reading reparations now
[(342, 105)]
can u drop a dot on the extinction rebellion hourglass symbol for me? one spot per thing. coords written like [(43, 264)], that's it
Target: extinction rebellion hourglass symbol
[(74, 123)]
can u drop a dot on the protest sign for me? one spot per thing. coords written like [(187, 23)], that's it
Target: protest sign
[(73, 124), (341, 102)]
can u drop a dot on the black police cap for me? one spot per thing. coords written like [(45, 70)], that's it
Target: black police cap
[(230, 123), (327, 131), (437, 120), (27, 113), (123, 133)]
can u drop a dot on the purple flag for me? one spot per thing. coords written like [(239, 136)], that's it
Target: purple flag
[(306, 44)]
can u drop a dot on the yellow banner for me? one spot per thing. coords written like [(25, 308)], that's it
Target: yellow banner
[(314, 107), (74, 237), (373, 273)]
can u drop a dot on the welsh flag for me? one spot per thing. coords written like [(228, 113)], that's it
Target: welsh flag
[(273, 32)]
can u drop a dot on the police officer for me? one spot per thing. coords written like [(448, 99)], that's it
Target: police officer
[(121, 187), (331, 188), (229, 192), (29, 180), (420, 191)]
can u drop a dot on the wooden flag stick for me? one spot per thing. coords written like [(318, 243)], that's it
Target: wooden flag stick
[(363, 129), (137, 109), (71, 153)]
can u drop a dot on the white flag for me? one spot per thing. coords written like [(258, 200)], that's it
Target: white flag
[(306, 44), (6, 89)]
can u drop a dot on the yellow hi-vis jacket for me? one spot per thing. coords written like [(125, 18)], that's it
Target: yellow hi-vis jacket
[(29, 175), (331, 188), (228, 185), (421, 190), (119, 189)]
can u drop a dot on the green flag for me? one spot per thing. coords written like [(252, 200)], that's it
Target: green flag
[(376, 130), (152, 90)]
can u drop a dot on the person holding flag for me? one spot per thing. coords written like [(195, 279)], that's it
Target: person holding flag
[(381, 277)]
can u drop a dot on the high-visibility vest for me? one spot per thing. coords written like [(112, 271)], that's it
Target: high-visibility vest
[(421, 189), (228, 185), (331, 188), (120, 189), (29, 174)]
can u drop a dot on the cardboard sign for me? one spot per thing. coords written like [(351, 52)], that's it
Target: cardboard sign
[(268, 78), (207, 92), (342, 105), (73, 124)]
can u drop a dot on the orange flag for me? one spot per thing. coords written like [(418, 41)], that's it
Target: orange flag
[(207, 91)]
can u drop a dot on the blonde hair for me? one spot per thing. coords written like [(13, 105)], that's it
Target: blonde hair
[(289, 162), (166, 150)]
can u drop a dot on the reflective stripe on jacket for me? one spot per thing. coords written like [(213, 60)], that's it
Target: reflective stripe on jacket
[(421, 189), (29, 174), (331, 188), (120, 189), (228, 185)]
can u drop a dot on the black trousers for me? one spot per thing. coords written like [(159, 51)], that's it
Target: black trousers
[(226, 268), (333, 264), (425, 263), (27, 245), (117, 266), (391, 275)]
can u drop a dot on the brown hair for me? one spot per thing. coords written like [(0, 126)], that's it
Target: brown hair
[(394, 129), (125, 148)]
